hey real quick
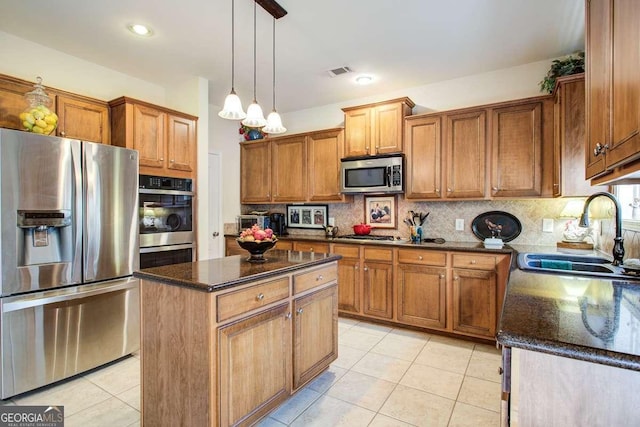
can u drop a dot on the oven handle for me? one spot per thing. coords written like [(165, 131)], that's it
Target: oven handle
[(153, 249), (176, 192)]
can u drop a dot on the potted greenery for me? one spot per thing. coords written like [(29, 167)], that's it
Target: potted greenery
[(571, 64)]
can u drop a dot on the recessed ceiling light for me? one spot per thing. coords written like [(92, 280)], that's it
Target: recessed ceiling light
[(364, 79), (139, 29)]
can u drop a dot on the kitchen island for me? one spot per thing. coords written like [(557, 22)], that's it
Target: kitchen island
[(225, 341), (571, 350)]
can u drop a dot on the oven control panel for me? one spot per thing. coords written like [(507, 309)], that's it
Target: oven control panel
[(164, 183)]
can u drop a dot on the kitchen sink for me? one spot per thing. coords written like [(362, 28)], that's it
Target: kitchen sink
[(580, 265)]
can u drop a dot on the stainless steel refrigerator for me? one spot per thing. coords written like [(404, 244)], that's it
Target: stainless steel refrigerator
[(69, 246)]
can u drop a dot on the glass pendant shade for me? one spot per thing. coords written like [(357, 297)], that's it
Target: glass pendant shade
[(255, 117), (274, 124), (232, 109)]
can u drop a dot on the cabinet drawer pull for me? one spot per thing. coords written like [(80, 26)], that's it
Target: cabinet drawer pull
[(500, 370), (260, 296), (494, 188), (420, 257), (473, 261), (299, 311), (171, 161), (162, 159), (319, 277), (310, 249)]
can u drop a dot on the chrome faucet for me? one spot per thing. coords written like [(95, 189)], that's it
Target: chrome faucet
[(618, 247)]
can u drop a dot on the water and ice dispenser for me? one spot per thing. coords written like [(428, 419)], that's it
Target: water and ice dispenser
[(44, 237)]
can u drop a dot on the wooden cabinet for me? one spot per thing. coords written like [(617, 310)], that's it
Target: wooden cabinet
[(349, 277), (465, 154), (307, 246), (612, 85), (315, 334), (232, 247), (165, 139), (422, 288), (251, 378), (569, 139), (377, 282), (423, 150), (289, 169), (79, 117), (516, 144), (296, 168), (376, 128)]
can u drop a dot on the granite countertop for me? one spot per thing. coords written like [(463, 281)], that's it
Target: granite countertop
[(595, 320), (219, 273)]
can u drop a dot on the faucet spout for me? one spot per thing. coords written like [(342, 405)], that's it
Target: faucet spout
[(618, 246)]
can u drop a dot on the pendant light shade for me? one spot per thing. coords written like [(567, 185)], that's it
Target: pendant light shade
[(255, 117), (232, 108), (274, 122)]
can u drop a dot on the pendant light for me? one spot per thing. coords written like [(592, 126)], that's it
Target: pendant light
[(274, 122), (232, 109), (255, 117)]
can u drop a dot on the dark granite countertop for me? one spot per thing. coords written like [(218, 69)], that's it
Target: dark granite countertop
[(589, 319), (215, 274)]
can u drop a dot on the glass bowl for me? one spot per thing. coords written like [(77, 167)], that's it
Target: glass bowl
[(256, 249)]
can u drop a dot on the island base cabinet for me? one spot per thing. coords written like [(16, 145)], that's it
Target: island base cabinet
[(550, 390), (315, 336), (253, 380)]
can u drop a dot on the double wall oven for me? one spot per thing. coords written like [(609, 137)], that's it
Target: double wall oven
[(165, 221)]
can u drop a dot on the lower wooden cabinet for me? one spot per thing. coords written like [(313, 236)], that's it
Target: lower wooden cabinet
[(252, 381), (315, 334), (349, 268), (474, 301), (377, 285), (422, 296)]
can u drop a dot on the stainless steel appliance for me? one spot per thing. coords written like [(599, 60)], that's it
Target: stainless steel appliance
[(69, 246), (247, 221), (278, 223), (372, 174), (165, 221)]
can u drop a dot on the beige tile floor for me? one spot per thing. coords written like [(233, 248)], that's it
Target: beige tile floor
[(383, 377)]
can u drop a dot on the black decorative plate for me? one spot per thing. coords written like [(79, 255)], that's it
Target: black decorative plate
[(507, 225)]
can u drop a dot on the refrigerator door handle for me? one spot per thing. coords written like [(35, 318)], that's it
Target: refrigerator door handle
[(28, 301)]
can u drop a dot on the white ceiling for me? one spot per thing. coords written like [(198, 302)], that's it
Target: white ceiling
[(403, 43)]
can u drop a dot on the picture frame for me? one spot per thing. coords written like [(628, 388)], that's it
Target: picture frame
[(380, 211), (307, 216)]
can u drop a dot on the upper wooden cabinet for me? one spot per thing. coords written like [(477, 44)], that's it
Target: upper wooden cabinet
[(569, 139), (375, 128), (465, 154), (423, 149), (79, 117), (612, 86), (166, 139), (516, 144), (296, 168)]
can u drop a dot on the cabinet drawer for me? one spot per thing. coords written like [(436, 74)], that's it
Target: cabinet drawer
[(378, 254), (238, 302), (311, 247), (284, 245), (475, 261), (314, 278), (422, 257), (347, 251)]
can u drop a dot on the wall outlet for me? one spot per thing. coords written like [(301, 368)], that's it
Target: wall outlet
[(547, 225), (332, 221), (459, 224)]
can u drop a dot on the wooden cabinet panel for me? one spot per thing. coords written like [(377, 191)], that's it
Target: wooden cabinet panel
[(84, 120), (422, 296), (474, 261), (423, 157), (12, 101), (315, 336), (314, 278), (289, 169), (242, 301), (149, 135), (387, 127), (325, 149), (474, 302), (255, 172), (420, 256), (516, 151), (311, 247), (252, 380), (465, 139), (181, 143), (357, 124), (378, 289), (349, 285)]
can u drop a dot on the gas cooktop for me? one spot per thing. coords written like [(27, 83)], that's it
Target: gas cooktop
[(368, 237)]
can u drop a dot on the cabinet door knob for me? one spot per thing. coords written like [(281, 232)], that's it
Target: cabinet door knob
[(442, 276), (366, 269), (162, 159), (299, 311), (456, 278), (473, 261), (260, 296), (287, 316), (500, 370), (494, 188), (420, 257), (449, 190), (61, 133), (172, 161), (319, 277), (310, 249), (600, 149), (355, 267)]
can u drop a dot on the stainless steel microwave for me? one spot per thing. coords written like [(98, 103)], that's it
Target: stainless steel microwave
[(372, 174)]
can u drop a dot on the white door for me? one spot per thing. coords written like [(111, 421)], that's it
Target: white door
[(216, 239)]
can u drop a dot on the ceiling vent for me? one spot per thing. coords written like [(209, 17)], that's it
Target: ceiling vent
[(339, 71)]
